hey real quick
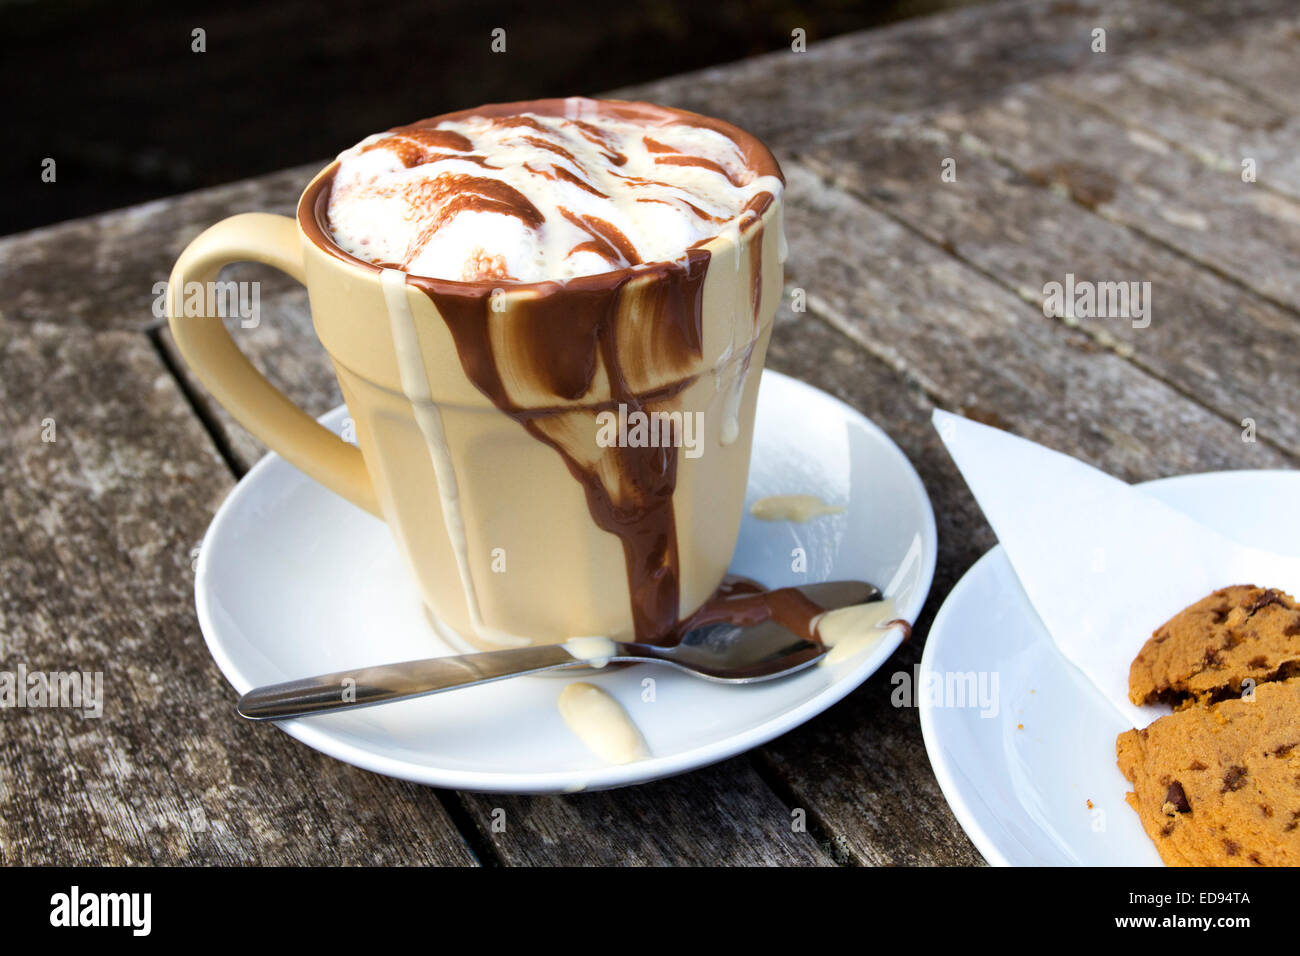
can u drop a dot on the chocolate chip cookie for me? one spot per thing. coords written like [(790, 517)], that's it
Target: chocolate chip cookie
[(1219, 785), (1206, 651)]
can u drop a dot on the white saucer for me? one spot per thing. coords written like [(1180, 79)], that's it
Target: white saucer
[(294, 581), (1020, 782)]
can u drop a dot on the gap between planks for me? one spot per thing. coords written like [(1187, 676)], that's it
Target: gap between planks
[(197, 403)]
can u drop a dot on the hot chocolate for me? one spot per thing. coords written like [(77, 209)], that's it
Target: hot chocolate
[(541, 194)]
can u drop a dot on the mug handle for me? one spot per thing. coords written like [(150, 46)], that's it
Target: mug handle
[(219, 364)]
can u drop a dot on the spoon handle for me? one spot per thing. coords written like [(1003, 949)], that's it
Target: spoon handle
[(366, 686)]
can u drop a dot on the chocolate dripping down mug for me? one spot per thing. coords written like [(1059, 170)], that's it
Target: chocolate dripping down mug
[(559, 456)]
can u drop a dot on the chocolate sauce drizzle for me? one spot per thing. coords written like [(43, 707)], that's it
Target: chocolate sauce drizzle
[(569, 332)]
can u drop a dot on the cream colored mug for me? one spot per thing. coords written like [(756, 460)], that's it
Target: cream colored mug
[(514, 491)]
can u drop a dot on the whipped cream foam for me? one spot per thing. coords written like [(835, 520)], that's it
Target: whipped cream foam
[(530, 197)]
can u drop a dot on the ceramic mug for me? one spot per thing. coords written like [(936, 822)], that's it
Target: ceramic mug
[(484, 438)]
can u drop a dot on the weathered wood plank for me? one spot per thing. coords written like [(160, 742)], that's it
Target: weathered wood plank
[(956, 60), (1206, 337), (1211, 216), (1195, 112), (719, 816), (1260, 62), (972, 343), (96, 533)]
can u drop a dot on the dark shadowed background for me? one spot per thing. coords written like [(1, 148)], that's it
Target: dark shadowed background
[(114, 93)]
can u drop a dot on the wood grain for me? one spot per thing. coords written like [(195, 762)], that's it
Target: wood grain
[(860, 769), (1222, 224), (102, 272), (956, 60), (723, 815), (98, 527), (1168, 105), (1261, 63), (899, 295), (283, 345), (1009, 227)]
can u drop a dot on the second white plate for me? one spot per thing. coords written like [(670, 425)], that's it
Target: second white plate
[(1032, 777)]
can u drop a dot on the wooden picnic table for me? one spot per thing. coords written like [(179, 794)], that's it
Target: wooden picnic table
[(1122, 165)]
